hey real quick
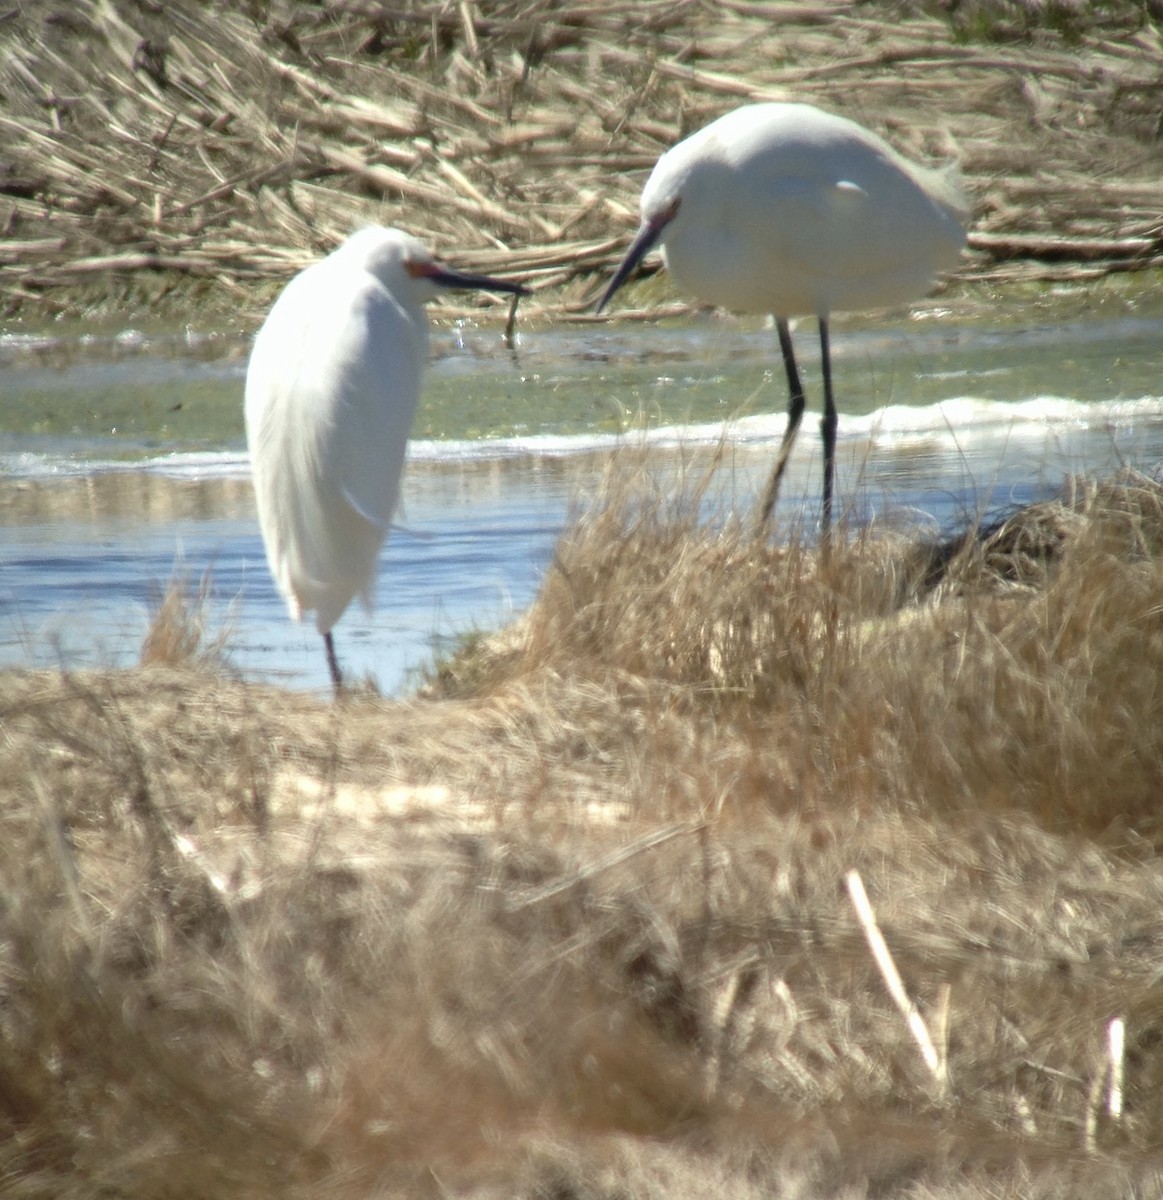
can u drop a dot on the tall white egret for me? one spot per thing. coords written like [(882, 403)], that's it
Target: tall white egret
[(787, 210), (331, 390)]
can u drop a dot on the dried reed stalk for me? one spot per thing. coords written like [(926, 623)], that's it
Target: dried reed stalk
[(157, 139), (886, 964)]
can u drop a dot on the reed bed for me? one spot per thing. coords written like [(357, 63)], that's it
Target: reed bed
[(729, 871), (219, 147)]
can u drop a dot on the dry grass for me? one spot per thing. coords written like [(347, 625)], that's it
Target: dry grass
[(574, 924), (177, 633), (226, 145), (580, 929)]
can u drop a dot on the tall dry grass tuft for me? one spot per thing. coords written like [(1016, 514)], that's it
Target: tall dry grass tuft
[(177, 628), (650, 583), (1040, 687), (1013, 667)]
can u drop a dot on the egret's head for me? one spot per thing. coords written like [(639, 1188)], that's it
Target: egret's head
[(409, 270), (430, 272), (385, 253), (655, 220), (663, 199), (686, 185)]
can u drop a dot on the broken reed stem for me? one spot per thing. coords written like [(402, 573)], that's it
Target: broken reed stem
[(1090, 1123), (892, 978), (1112, 1075), (510, 334), (1116, 1049)]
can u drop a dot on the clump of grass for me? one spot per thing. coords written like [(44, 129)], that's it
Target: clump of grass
[(1021, 548), (177, 633), (648, 583), (471, 663), (1015, 665), (1040, 688)]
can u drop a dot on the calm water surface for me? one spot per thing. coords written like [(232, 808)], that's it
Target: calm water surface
[(122, 463)]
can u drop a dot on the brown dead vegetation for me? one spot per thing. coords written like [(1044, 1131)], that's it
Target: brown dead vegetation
[(579, 921), (575, 923), (146, 144)]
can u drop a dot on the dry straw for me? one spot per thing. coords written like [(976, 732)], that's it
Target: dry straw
[(226, 144), (578, 926)]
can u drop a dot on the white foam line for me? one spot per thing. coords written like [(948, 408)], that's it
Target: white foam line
[(958, 421)]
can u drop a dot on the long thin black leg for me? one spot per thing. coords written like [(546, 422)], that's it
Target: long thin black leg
[(828, 425), (795, 412), (333, 662)]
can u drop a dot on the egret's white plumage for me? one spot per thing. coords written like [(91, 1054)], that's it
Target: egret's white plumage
[(331, 390), (789, 210)]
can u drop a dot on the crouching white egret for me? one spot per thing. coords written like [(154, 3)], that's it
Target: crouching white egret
[(787, 210), (331, 390)]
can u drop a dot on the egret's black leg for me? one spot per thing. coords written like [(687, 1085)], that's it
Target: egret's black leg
[(827, 425), (795, 412), (333, 662)]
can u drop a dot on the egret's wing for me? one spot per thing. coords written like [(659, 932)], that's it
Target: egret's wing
[(858, 233), (331, 391), (377, 364)]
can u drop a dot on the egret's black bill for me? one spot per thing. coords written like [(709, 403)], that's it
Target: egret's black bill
[(642, 244), (649, 233), (447, 277)]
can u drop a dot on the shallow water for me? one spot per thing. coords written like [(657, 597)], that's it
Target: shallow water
[(122, 463)]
